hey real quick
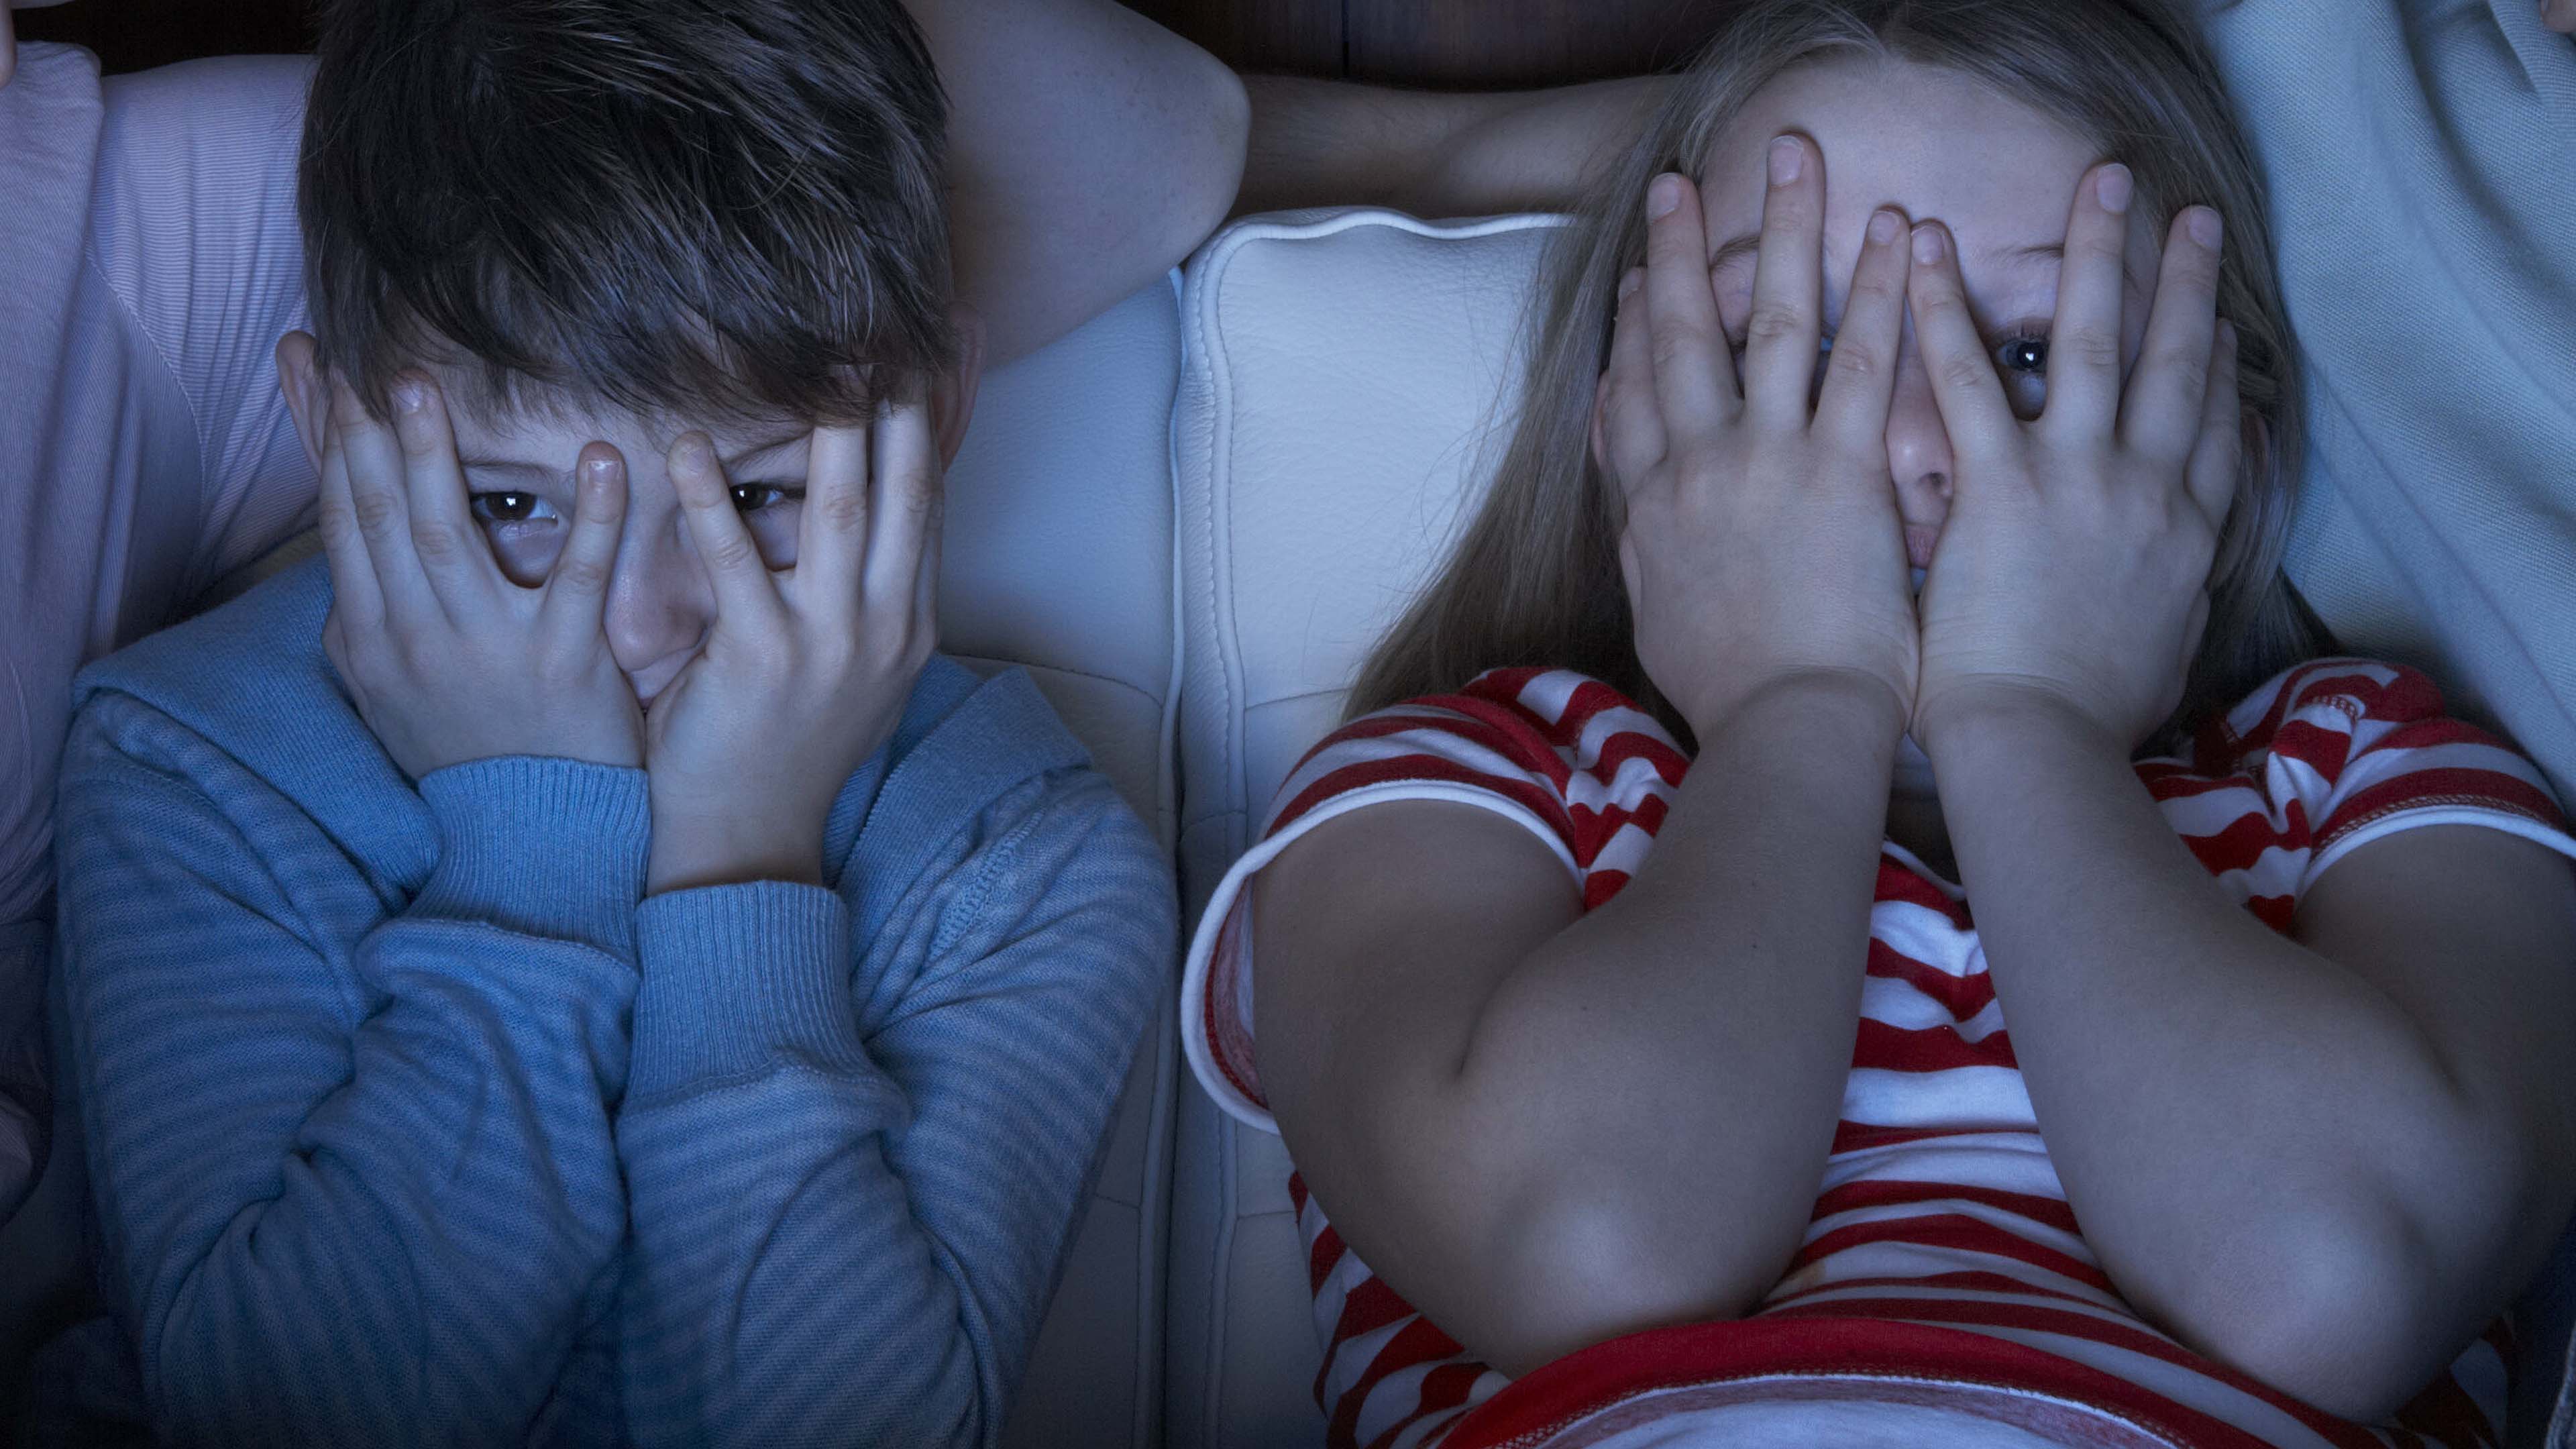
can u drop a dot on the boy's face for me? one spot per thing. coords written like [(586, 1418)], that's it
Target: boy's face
[(519, 472)]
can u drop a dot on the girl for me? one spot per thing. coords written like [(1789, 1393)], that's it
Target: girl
[(1640, 1041)]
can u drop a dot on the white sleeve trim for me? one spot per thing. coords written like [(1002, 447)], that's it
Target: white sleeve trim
[(2405, 820), (1211, 923)]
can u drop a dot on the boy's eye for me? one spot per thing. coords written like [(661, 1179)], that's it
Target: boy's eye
[(754, 497), (511, 507)]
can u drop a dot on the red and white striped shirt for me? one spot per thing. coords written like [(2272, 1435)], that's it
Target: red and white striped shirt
[(1944, 1293)]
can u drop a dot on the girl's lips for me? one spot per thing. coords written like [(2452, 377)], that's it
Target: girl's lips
[(1919, 539)]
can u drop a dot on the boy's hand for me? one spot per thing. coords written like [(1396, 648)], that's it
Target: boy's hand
[(1762, 546), (447, 660), (2559, 15), (2072, 572), (804, 673)]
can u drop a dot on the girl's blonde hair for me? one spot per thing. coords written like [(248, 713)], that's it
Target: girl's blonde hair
[(1535, 579)]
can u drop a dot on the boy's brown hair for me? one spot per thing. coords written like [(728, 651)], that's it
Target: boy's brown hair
[(694, 209)]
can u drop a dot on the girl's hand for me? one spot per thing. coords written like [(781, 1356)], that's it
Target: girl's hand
[(2073, 569), (804, 673), (1761, 544), (447, 660)]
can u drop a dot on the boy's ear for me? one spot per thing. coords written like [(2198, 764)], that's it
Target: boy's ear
[(952, 392), (307, 395)]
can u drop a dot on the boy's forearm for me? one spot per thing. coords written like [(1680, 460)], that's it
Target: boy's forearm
[(1433, 153), (893, 1146)]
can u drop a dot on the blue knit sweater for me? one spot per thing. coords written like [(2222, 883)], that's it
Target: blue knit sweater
[(409, 1123)]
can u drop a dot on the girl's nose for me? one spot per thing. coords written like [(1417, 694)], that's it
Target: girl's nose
[(1918, 458)]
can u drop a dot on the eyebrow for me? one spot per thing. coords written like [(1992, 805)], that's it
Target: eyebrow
[(525, 468), (1750, 244)]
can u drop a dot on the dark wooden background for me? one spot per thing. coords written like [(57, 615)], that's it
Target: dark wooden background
[(1473, 43)]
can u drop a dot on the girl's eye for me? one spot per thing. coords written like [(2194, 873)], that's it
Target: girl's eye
[(2023, 364), (511, 508), (2023, 354)]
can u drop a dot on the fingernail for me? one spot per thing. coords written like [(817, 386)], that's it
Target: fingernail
[(1662, 195), (2205, 226), (410, 396), (1882, 226), (697, 452), (2226, 334), (2113, 188), (1927, 243), (1628, 284), (1788, 158), (599, 469)]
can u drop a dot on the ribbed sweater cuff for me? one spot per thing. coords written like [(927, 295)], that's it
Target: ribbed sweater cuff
[(738, 979), (547, 847)]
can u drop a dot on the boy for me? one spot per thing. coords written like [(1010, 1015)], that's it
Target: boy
[(633, 990), (153, 261)]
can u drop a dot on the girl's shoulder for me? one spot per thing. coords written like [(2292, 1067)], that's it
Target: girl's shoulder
[(2327, 715), (1572, 759), (2328, 756)]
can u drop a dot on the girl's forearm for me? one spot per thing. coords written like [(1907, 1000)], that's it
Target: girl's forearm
[(1677, 1057), (2244, 1127)]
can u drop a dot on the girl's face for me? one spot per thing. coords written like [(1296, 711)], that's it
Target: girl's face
[(1940, 147)]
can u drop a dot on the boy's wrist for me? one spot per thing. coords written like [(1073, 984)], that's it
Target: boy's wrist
[(697, 848), (548, 846)]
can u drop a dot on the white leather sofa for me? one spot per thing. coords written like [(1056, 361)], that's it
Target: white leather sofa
[(1192, 581), (1343, 379), (1058, 557)]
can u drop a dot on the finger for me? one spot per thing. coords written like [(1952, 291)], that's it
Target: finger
[(376, 499), (355, 593), (1694, 382), (832, 534), (452, 555), (1632, 431), (1782, 332), (743, 589), (2218, 458), (904, 522), (1860, 376), (1964, 385), (2162, 416), (2084, 338), (577, 589)]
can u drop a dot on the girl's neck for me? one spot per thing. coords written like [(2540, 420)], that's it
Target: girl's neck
[(1914, 822)]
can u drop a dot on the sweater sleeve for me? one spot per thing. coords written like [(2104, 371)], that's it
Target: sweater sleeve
[(354, 1171), (853, 1173)]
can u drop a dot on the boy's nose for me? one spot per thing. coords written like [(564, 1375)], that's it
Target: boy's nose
[(658, 610)]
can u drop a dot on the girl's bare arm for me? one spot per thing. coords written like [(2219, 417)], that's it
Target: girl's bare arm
[(2327, 1160), (1525, 1118), (1433, 153), (1089, 150)]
